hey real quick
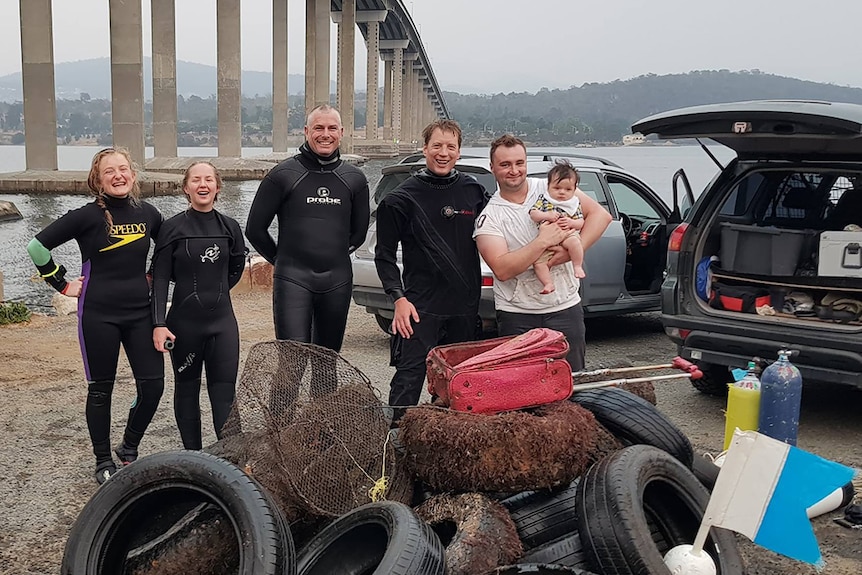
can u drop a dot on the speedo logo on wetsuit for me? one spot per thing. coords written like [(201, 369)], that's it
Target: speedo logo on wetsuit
[(126, 234), (323, 198)]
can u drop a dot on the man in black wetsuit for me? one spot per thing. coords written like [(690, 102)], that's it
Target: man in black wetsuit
[(322, 207), (432, 216)]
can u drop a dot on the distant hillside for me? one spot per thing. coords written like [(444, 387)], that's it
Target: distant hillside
[(590, 113), (94, 77), (604, 112)]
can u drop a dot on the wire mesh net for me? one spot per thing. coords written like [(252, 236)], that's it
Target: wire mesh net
[(325, 428)]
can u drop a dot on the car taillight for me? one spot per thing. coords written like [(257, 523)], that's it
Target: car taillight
[(677, 333), (676, 236), (487, 281)]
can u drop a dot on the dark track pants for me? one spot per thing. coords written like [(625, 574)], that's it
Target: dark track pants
[(569, 321), (408, 355)]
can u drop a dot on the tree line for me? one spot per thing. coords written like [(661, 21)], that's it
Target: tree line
[(587, 114)]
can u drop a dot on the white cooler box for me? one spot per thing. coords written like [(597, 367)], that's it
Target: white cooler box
[(840, 254)]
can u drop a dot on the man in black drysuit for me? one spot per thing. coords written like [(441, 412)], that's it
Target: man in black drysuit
[(432, 216)]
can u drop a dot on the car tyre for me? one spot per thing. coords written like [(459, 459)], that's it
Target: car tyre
[(567, 551), (706, 472), (624, 498), (634, 420), (111, 523), (376, 538), (714, 379), (540, 569), (543, 516), (384, 323)]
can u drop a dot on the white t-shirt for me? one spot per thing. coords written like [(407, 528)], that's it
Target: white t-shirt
[(512, 222)]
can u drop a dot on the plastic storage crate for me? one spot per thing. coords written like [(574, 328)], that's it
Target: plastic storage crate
[(759, 250), (840, 254)]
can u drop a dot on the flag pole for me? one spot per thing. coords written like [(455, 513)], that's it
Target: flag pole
[(700, 538)]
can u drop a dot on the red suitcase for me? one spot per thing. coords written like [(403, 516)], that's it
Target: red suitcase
[(501, 374)]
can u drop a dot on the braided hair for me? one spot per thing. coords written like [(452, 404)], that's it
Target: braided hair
[(95, 184)]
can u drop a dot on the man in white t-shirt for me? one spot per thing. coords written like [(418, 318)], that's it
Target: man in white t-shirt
[(507, 240)]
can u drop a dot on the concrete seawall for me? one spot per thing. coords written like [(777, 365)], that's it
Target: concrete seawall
[(75, 182)]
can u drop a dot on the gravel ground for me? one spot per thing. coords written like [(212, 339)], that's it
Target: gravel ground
[(46, 461)]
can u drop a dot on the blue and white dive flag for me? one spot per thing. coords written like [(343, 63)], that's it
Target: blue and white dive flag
[(764, 488)]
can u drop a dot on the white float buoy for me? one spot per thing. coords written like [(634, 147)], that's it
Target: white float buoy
[(681, 560)]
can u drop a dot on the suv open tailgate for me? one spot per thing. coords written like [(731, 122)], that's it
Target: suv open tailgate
[(766, 129)]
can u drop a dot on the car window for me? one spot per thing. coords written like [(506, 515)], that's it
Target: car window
[(487, 181), (590, 184), (388, 183), (794, 198), (391, 181), (740, 199), (840, 186), (630, 200)]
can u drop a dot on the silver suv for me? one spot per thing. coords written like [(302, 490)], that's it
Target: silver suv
[(770, 256), (624, 268)]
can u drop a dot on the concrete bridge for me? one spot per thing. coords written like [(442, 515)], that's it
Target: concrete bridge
[(411, 95)]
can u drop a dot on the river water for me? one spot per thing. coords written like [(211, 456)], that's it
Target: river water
[(655, 165)]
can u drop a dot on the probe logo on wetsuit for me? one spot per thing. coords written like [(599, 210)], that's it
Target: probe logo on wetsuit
[(450, 212), (323, 198), (211, 254)]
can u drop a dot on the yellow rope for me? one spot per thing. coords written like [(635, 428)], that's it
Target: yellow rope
[(378, 490)]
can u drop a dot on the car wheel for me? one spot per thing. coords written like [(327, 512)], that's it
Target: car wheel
[(384, 322), (714, 379)]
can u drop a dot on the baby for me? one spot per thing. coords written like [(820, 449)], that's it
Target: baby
[(562, 182)]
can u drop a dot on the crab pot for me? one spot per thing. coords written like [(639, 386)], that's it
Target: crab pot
[(506, 452)]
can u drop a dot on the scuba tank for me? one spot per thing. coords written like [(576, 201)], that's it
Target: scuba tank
[(743, 404), (780, 399)]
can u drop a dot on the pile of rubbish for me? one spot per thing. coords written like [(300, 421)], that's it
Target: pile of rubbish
[(309, 479)]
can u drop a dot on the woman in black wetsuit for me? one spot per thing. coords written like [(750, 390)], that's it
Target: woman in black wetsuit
[(113, 234), (203, 252)]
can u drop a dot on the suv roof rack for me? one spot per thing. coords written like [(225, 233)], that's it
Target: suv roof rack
[(552, 156)]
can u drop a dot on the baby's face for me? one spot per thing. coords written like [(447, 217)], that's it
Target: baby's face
[(562, 190)]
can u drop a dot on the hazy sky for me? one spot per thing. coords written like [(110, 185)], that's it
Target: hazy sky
[(503, 45)]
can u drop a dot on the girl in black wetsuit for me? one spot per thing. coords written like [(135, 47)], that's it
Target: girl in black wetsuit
[(113, 234), (203, 252)]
